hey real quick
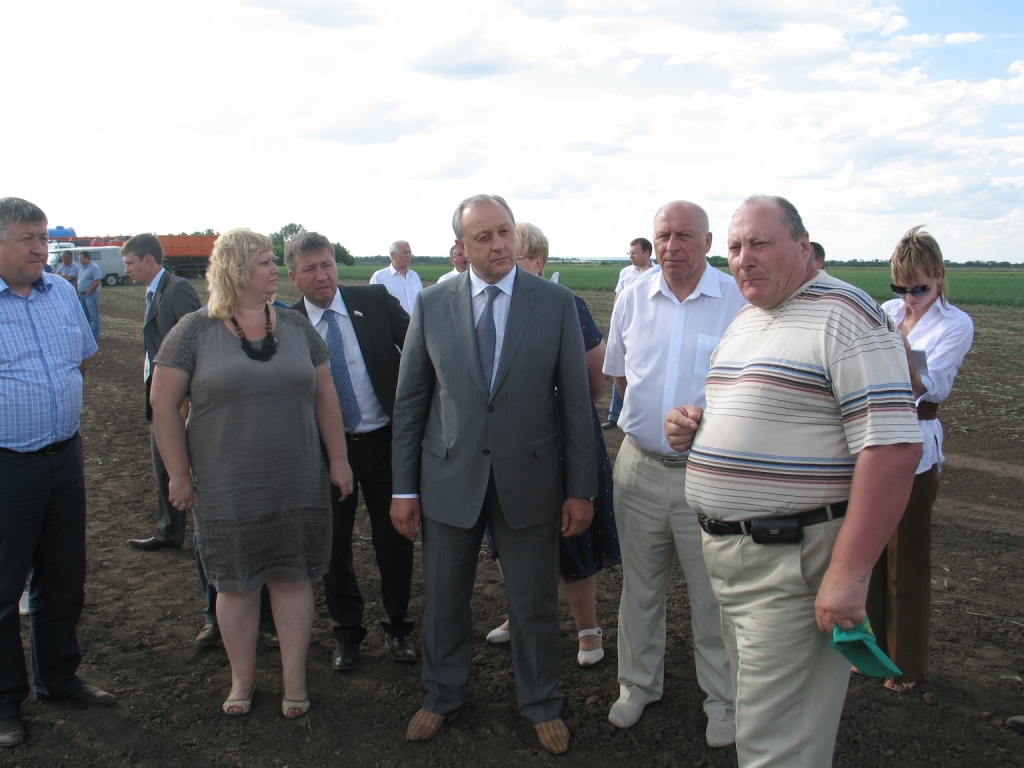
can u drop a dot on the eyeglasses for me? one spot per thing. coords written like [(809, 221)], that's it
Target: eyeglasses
[(917, 290)]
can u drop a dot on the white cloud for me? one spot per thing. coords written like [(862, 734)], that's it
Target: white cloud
[(370, 121)]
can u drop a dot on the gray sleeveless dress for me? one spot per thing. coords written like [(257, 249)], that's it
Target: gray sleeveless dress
[(262, 505)]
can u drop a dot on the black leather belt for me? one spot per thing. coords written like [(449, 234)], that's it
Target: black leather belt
[(742, 528), (368, 435), (46, 450)]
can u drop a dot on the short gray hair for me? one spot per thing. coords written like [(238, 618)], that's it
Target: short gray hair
[(14, 210), (394, 246), (305, 242), (790, 215), (477, 200)]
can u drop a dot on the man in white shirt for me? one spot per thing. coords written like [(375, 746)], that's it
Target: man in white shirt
[(459, 261), (401, 282), (640, 264), (663, 331)]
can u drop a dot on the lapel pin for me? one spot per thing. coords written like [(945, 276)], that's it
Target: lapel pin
[(357, 313)]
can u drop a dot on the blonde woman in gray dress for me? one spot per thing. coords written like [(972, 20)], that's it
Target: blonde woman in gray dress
[(248, 461)]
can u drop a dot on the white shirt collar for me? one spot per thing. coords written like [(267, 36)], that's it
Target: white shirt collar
[(477, 283), (396, 272), (708, 285), (316, 313), (938, 306), (151, 288)]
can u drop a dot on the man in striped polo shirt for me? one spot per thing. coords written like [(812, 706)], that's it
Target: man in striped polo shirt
[(799, 472)]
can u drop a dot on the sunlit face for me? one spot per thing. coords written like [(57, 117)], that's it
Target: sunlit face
[(459, 259), (402, 258), (921, 304), (638, 256), (316, 275), (66, 258), (263, 275), (767, 263), (140, 271), (84, 259), (23, 253), (489, 239), (532, 264), (681, 242)]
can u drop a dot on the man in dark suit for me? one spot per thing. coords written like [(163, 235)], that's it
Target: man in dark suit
[(476, 442), (364, 327), (168, 299)]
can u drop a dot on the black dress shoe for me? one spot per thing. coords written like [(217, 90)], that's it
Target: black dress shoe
[(146, 545), (89, 696), (608, 424), (345, 656), (208, 637), (400, 647), (12, 732)]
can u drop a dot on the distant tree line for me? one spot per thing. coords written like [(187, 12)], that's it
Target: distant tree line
[(288, 231)]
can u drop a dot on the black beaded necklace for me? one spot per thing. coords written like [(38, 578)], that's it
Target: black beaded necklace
[(269, 343)]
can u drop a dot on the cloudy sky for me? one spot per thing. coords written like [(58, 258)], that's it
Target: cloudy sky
[(369, 121)]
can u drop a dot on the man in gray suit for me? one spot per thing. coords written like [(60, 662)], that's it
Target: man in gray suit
[(472, 448), (168, 299)]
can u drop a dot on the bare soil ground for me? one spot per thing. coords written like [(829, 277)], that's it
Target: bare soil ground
[(143, 611)]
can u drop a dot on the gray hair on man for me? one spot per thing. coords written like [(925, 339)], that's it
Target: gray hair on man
[(477, 200), (394, 245), (304, 242), (790, 215), (14, 210)]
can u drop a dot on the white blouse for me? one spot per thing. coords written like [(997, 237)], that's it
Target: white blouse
[(945, 335)]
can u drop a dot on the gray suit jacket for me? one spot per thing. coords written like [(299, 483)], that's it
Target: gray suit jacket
[(173, 298), (450, 433)]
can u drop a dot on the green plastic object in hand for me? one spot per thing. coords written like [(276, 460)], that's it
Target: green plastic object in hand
[(859, 646)]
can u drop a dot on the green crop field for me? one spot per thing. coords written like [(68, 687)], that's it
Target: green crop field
[(994, 287)]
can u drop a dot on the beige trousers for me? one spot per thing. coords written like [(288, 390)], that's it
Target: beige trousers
[(655, 527), (790, 684)]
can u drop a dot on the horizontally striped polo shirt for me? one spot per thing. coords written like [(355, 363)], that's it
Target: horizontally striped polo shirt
[(793, 394)]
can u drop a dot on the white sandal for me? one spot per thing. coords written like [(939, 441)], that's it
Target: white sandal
[(590, 658)]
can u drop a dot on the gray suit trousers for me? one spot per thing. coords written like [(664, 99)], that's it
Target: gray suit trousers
[(530, 565), (170, 521)]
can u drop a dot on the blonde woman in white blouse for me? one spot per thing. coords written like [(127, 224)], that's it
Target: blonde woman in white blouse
[(899, 596)]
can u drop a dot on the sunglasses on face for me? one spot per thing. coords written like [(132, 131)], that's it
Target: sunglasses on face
[(917, 290)]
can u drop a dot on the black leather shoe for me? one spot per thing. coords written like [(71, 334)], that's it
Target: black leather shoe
[(400, 647), (12, 732), (90, 696), (345, 656), (608, 424), (146, 545), (208, 637)]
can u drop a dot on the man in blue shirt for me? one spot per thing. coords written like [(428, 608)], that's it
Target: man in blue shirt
[(89, 279), (44, 342)]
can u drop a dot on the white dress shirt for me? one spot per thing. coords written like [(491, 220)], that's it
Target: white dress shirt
[(370, 409), (151, 287), (448, 275), (404, 288), (663, 347), (501, 304), (632, 273), (945, 335)]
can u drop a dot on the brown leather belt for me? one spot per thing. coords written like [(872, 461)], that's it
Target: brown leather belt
[(810, 517), (927, 411)]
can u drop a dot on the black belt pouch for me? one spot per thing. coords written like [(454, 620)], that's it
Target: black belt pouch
[(776, 530)]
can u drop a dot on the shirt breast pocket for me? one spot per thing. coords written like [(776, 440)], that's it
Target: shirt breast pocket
[(705, 347)]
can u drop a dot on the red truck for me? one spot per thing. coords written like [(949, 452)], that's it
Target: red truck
[(185, 255)]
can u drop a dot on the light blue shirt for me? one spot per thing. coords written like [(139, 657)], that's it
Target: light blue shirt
[(43, 340), (87, 276)]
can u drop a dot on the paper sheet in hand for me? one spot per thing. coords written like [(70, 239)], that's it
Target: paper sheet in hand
[(920, 361)]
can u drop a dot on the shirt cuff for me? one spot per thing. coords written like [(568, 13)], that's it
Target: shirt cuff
[(405, 496)]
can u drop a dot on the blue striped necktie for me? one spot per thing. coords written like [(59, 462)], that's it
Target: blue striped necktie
[(339, 372), (486, 336)]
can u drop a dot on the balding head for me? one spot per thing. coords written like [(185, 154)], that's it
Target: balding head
[(681, 243), (690, 208)]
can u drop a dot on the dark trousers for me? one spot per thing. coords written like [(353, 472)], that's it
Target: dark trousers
[(899, 603), (370, 459), (42, 529), (529, 562), (210, 611), (170, 522)]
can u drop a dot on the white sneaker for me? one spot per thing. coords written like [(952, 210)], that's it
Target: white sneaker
[(720, 733), (23, 603), (590, 658), (497, 636), (625, 713)]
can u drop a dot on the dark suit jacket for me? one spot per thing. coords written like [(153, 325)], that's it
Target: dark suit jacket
[(451, 432), (380, 330), (173, 298)]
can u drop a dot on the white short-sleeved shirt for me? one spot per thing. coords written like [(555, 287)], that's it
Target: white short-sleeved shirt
[(448, 275), (663, 347), (404, 288), (631, 274), (945, 335), (794, 394)]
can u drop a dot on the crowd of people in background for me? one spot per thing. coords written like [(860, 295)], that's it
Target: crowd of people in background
[(782, 443)]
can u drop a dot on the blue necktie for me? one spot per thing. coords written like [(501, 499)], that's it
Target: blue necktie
[(486, 336), (339, 372)]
